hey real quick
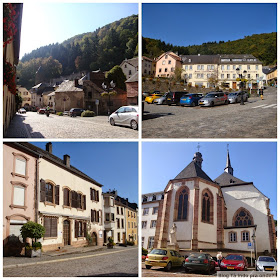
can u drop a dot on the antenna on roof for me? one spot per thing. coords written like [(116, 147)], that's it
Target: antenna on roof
[(198, 146)]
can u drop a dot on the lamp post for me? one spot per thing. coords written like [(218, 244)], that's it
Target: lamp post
[(107, 88), (254, 241), (239, 73)]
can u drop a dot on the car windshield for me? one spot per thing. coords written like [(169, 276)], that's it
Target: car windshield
[(266, 259), (209, 95), (233, 94), (234, 258), (165, 94), (158, 252), (197, 256)]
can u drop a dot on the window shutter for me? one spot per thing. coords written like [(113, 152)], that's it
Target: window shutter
[(97, 195), (64, 196), (91, 215), (47, 225), (53, 227), (91, 196), (57, 195), (76, 228), (97, 216), (42, 190), (72, 199), (85, 203), (85, 229), (100, 216)]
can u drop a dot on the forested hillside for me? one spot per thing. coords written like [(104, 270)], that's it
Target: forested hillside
[(104, 48), (263, 46)]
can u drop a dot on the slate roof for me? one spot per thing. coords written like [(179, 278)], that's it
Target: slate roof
[(68, 86), (131, 61), (227, 179), (133, 78), (193, 171), (56, 160), (197, 59)]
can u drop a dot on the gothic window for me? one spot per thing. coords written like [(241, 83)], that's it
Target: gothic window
[(181, 203), (242, 218), (207, 207)]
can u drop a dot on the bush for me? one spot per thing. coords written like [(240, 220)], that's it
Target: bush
[(59, 113), (144, 252), (88, 114), (89, 239), (130, 243), (32, 230)]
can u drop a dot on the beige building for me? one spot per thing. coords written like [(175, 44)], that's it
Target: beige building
[(272, 75), (26, 97), (131, 215), (69, 202), (222, 70), (166, 64), (129, 67), (19, 181), (147, 66)]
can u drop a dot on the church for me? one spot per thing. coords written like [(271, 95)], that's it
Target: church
[(223, 214)]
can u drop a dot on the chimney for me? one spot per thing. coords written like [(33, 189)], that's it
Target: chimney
[(49, 147), (76, 82), (66, 160)]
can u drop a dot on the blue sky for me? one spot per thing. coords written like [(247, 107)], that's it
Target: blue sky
[(190, 24), (47, 23), (112, 164), (252, 162)]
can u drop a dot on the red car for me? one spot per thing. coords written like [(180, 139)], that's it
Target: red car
[(234, 262), (41, 111)]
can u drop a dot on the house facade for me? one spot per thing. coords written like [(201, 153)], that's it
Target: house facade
[(147, 66), (221, 214), (19, 180), (132, 89), (150, 206), (26, 97), (131, 222), (129, 67)]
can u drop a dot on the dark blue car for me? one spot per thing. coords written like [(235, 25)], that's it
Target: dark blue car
[(190, 99)]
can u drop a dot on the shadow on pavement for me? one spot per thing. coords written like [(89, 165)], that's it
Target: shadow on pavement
[(155, 115), (113, 274)]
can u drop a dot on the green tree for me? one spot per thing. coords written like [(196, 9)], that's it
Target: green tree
[(116, 74), (32, 230)]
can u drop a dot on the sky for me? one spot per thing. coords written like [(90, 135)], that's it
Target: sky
[(194, 24), (47, 23), (112, 164), (251, 162)]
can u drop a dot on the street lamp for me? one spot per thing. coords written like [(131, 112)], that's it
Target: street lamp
[(254, 241), (239, 73), (107, 88)]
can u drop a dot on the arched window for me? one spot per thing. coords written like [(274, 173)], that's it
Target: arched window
[(182, 203), (207, 206), (242, 217)]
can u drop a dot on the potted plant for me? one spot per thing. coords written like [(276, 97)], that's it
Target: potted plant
[(33, 231), (110, 244)]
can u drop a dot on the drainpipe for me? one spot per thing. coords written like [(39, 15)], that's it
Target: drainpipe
[(37, 191)]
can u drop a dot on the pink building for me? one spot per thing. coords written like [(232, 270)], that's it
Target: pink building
[(19, 181)]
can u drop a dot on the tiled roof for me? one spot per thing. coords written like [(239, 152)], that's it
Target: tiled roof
[(196, 59), (131, 61), (68, 86), (57, 160), (133, 78), (193, 171), (226, 179)]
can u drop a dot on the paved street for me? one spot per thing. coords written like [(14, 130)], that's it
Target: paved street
[(256, 119), (33, 125), (119, 261)]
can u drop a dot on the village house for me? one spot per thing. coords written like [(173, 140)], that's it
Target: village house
[(272, 75), (132, 89), (129, 67), (26, 97), (11, 59), (19, 180), (222, 214), (131, 214), (147, 66)]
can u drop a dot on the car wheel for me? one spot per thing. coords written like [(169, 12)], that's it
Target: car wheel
[(164, 102), (246, 99), (212, 104), (168, 267), (226, 102), (192, 104), (148, 266), (134, 124), (112, 122), (186, 270)]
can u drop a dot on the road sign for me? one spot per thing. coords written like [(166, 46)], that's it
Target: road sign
[(250, 245)]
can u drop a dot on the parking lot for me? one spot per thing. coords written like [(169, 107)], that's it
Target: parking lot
[(256, 119)]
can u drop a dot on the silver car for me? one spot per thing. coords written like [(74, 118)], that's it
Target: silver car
[(235, 97), (125, 115), (266, 263), (161, 100), (214, 98)]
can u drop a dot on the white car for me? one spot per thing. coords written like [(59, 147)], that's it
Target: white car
[(22, 111), (125, 115), (266, 263)]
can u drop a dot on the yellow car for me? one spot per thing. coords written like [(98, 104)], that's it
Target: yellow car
[(166, 258), (150, 99)]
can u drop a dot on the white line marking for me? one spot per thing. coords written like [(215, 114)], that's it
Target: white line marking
[(259, 106), (270, 106)]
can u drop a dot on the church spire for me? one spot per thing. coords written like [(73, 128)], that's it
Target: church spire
[(228, 168)]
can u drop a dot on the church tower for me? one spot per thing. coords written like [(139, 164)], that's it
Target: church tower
[(198, 159), (228, 168)]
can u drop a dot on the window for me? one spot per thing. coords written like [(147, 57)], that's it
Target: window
[(19, 196), (80, 229), (257, 67), (118, 210), (242, 217), (228, 67), (122, 223), (208, 67), (159, 70), (50, 224), (20, 167), (95, 215), (202, 67), (163, 62), (131, 224), (208, 76), (207, 206), (129, 72), (155, 210), (145, 211), (122, 211), (144, 224), (198, 67), (190, 67), (166, 56), (49, 193), (181, 203), (118, 223), (233, 67), (143, 240), (145, 199), (190, 76), (94, 195), (125, 66), (257, 76), (128, 224), (112, 217), (228, 76), (151, 241), (165, 70), (186, 67), (232, 237), (107, 217), (169, 61), (234, 76), (249, 76), (245, 236), (223, 67), (248, 67), (222, 76), (153, 224)]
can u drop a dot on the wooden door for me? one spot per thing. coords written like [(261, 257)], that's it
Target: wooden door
[(234, 85), (66, 232)]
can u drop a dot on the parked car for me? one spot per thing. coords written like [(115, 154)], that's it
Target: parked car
[(161, 100), (75, 112), (200, 262), (150, 99), (41, 111), (234, 262), (214, 98), (125, 115), (266, 263), (191, 99), (22, 111), (166, 258), (174, 97), (66, 113), (235, 97)]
